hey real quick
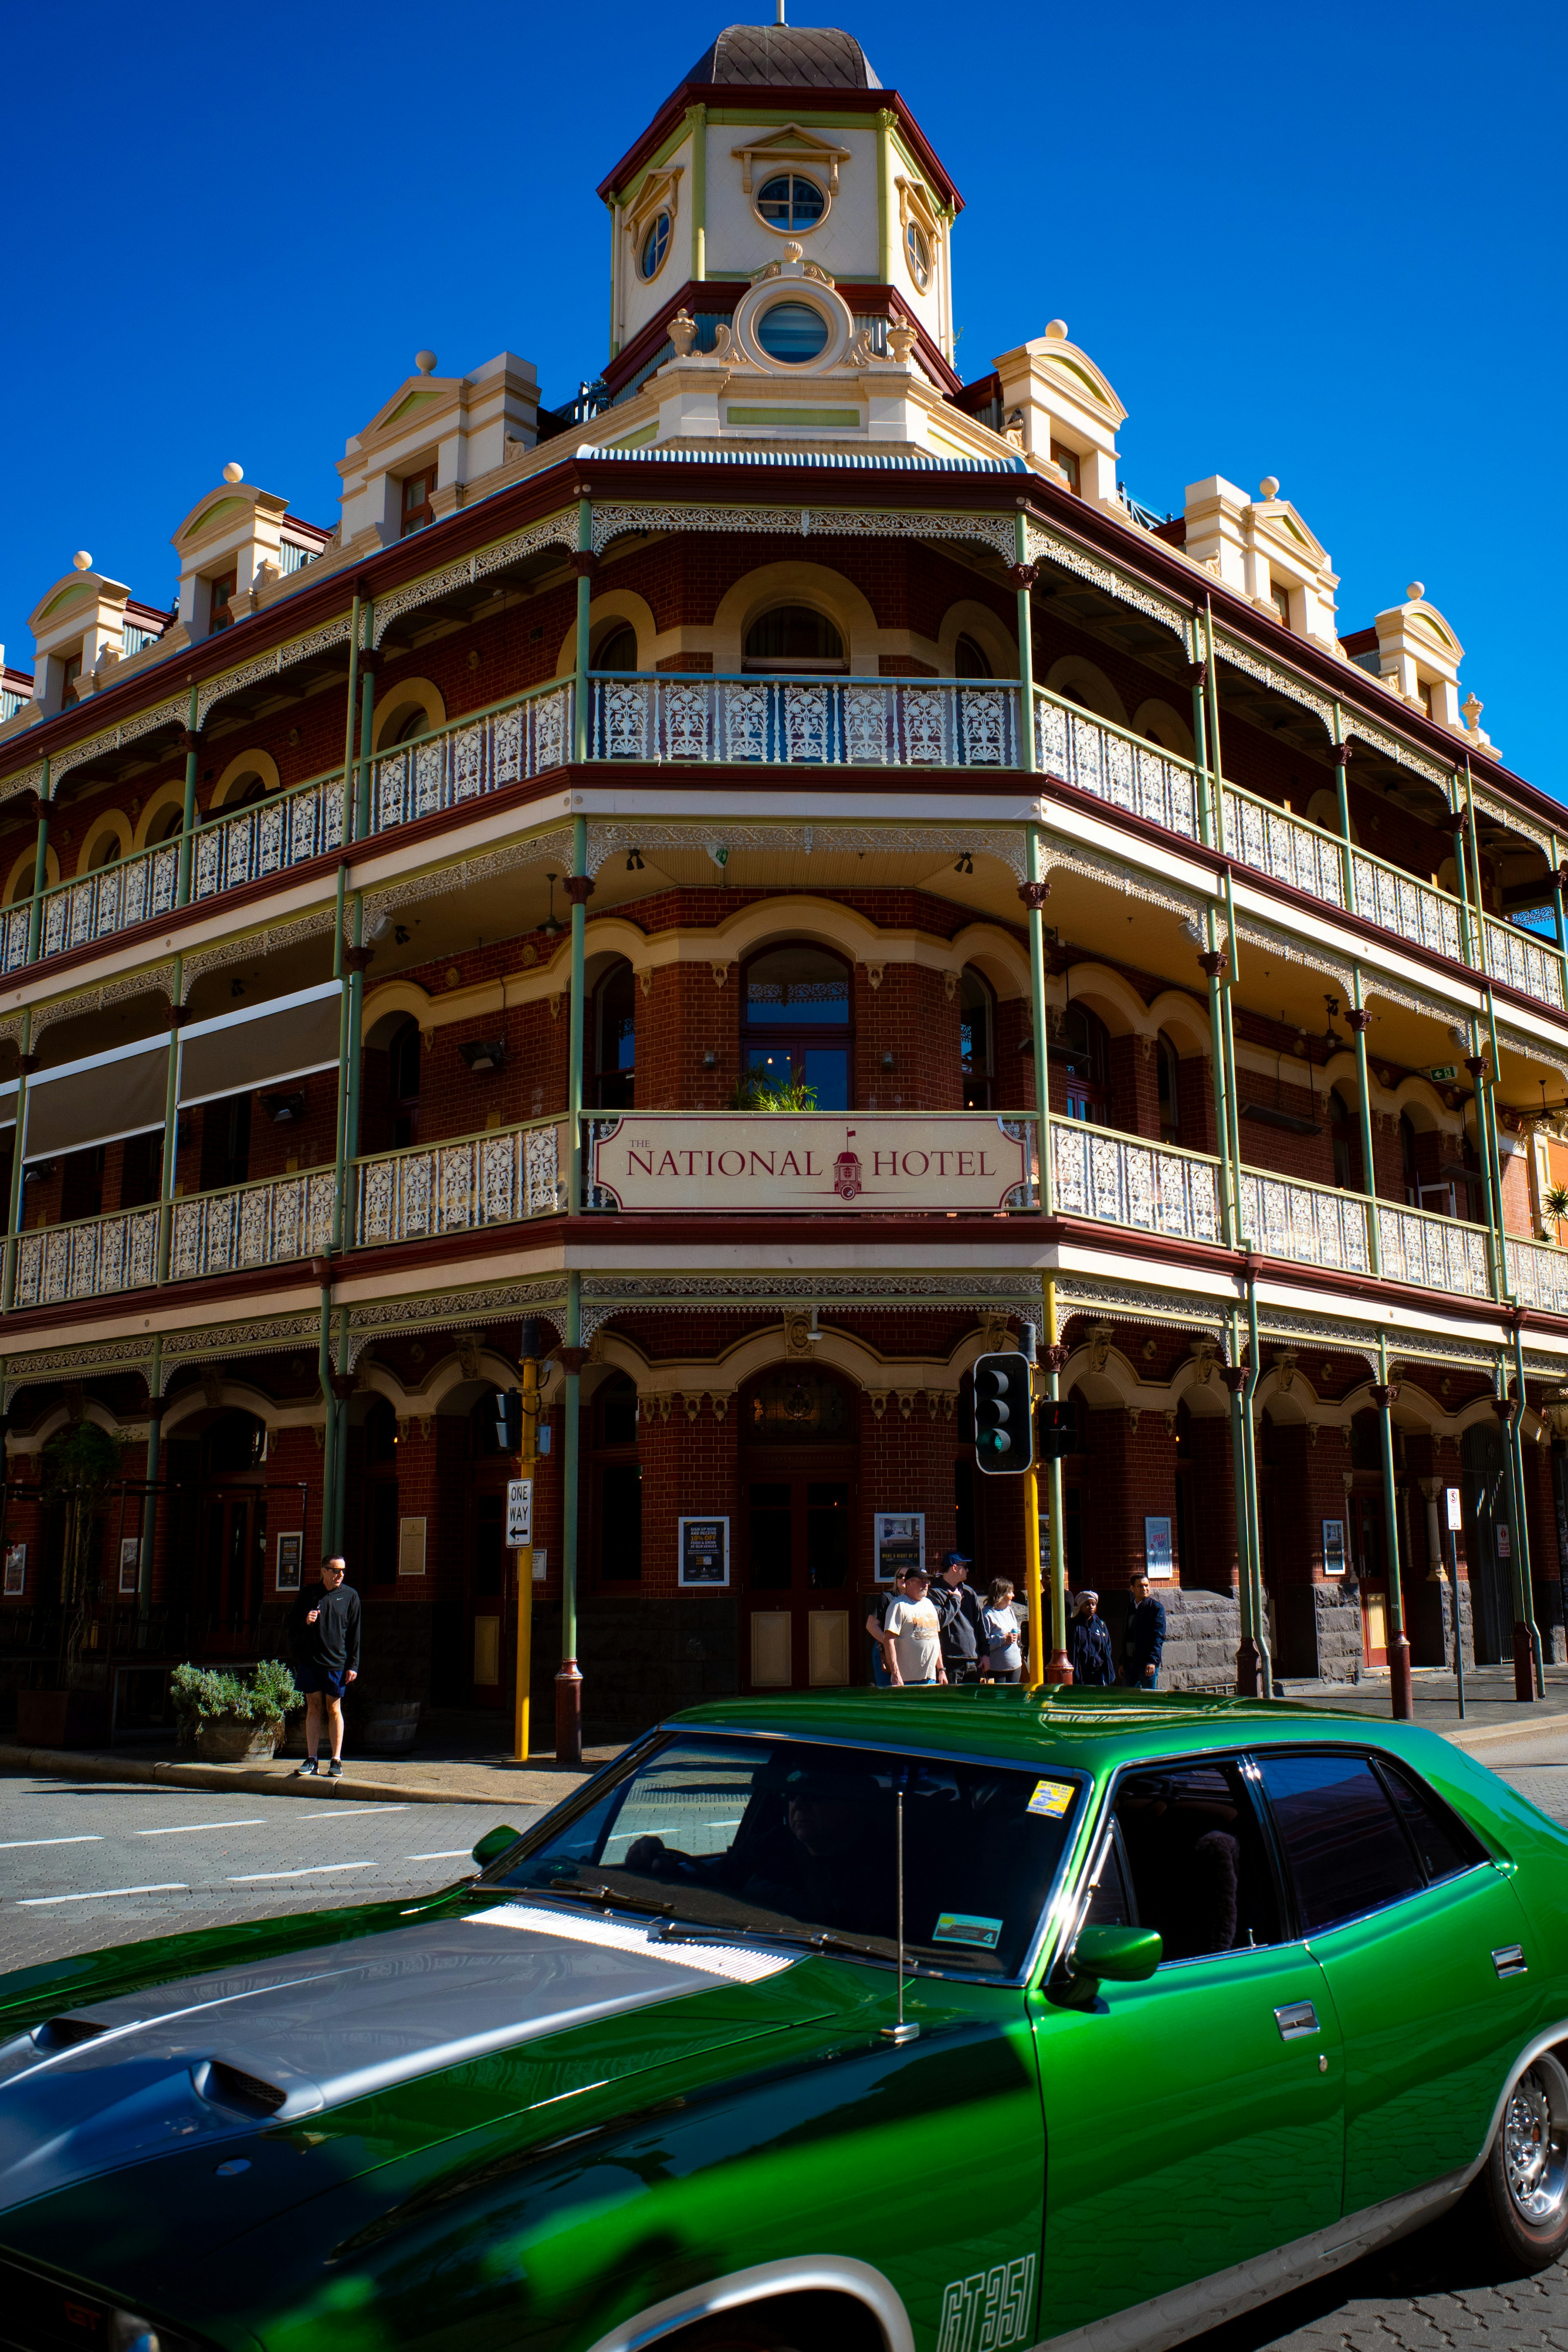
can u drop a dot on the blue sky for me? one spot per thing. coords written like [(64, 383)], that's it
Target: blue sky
[(1324, 243)]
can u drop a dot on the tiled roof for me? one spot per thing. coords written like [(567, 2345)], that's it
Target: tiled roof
[(788, 55), (916, 462)]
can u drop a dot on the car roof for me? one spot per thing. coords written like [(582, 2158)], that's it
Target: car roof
[(1093, 1731)]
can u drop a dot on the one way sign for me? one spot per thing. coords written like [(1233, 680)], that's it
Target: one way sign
[(519, 1514)]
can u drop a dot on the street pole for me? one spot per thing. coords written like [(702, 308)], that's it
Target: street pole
[(527, 1467), (1060, 1670), (569, 1677), (1400, 1700), (1452, 1497), (1031, 1529)]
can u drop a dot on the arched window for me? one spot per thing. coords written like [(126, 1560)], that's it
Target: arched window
[(615, 1038), (618, 650), (970, 660), (402, 1084), (617, 1481), (105, 851), (248, 791), (380, 1503), (796, 1016), (977, 1035), (415, 723), (1083, 1050), (167, 826), (793, 638), (655, 245), (1170, 1063), (1345, 1130)]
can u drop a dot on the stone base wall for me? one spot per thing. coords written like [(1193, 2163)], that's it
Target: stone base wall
[(1203, 1632)]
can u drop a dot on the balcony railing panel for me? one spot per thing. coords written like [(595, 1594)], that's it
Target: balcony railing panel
[(1434, 1253), (805, 722), (1526, 964), (1099, 1173), (496, 1178), (1116, 767), (15, 923), (136, 890), (1287, 847), (467, 761), (1537, 1273), (288, 830), (1413, 911), (268, 1223), (88, 1260), (1307, 1222)]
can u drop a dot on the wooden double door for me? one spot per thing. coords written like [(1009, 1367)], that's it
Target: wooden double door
[(797, 1585)]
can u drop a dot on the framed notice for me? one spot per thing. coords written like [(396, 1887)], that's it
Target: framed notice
[(541, 1563), (130, 1563), (898, 1539), (290, 1557), (1504, 1540), (704, 1553), (1333, 1547), (15, 1571), (410, 1548), (1159, 1564)]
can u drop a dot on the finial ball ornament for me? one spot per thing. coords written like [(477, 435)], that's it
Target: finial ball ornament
[(1056, 331), (233, 472), (1268, 488), (1416, 591), (425, 362), (82, 559)]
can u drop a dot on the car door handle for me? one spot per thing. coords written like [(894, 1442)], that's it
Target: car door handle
[(1509, 1960), (1296, 2020)]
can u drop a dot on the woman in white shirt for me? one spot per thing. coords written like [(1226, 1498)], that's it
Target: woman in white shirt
[(1000, 1625)]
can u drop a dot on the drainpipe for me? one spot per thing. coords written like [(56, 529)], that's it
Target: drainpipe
[(1508, 1411), (1211, 674), (1382, 1396), (585, 563), (884, 203), (1341, 795), (27, 1062), (349, 718), (1216, 963), (40, 869), (579, 889), (1483, 961), (1359, 1019), (1241, 1239), (179, 1014), (323, 1274), (1034, 894), (1470, 927), (1495, 1151), (1059, 1670), (355, 957), (1024, 578), (1525, 1581), (1235, 1378), (698, 117), (342, 1388), (340, 974), (569, 1680), (1254, 1521), (1207, 801), (1557, 872), (369, 664), (154, 1454), (192, 744)]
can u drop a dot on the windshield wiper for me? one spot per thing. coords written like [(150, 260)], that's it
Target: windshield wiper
[(605, 1897)]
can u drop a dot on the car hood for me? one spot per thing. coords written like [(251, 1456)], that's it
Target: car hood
[(191, 2064)]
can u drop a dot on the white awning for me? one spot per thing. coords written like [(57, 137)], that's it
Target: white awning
[(7, 1104), (262, 1046)]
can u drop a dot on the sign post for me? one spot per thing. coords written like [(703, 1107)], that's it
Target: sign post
[(520, 1538), (1455, 1521)]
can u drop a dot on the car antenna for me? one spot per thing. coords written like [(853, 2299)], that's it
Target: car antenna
[(899, 2034)]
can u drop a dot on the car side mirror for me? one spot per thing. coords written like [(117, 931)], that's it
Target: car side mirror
[(1120, 1955), (497, 1842)]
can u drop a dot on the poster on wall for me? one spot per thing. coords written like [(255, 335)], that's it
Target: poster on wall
[(290, 1553), (704, 1552), (15, 1571), (1504, 1541), (1158, 1563), (1333, 1547), (900, 1540), (130, 1563)]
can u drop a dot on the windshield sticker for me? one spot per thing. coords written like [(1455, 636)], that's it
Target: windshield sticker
[(967, 1928), (1051, 1798)]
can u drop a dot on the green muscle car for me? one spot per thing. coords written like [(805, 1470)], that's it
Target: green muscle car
[(859, 2022)]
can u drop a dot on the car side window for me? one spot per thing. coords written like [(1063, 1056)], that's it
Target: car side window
[(1343, 1843), (1440, 1839), (1111, 1901), (1197, 1859)]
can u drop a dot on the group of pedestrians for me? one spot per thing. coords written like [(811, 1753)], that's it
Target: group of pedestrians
[(925, 1632), (1089, 1647)]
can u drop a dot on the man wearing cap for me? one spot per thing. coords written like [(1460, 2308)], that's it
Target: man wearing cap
[(959, 1615), (911, 1637), (1088, 1643)]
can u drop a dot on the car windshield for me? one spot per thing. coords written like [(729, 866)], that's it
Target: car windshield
[(783, 1837)]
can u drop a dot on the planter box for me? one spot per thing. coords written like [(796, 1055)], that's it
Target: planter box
[(234, 1739), (388, 1726), (62, 1718)]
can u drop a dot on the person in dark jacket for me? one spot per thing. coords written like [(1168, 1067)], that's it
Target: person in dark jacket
[(1088, 1643), (960, 1616), (1144, 1641), (324, 1632)]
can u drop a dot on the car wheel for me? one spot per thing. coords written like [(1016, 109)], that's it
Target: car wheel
[(1522, 2188)]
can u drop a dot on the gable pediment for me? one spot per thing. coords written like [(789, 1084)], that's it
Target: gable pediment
[(792, 144)]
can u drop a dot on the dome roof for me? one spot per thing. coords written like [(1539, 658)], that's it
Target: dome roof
[(786, 56)]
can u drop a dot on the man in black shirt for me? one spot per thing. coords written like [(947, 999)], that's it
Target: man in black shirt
[(324, 1629), (959, 1613)]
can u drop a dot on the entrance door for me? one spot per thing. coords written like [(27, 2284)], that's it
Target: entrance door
[(799, 1593), (234, 1542), (1366, 1542), (488, 1559)]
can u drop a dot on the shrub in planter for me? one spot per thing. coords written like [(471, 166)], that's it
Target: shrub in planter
[(233, 1718)]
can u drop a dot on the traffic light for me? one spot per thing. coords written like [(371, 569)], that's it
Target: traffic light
[(508, 1422), (1058, 1431), (1004, 1415)]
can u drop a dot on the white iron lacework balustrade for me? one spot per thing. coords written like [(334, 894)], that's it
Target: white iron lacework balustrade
[(269, 838), (86, 1260), (256, 1225), (1304, 1222), (496, 1178), (1526, 964), (15, 923), (1433, 1253), (136, 890), (1537, 1274), (464, 763), (1139, 778), (799, 723), (1125, 1181), (1273, 842), (1414, 911)]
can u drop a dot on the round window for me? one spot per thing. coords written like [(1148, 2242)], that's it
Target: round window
[(919, 256), (655, 245), (790, 202), (792, 332)]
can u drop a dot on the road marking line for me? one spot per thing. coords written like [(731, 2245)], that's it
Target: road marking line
[(102, 1894), (349, 1813), (93, 1837), (315, 1870), (448, 1853), (189, 1829)]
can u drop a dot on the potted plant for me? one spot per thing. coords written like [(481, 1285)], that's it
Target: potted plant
[(79, 1465), (234, 1719)]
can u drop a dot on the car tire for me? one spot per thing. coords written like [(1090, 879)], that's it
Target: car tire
[(1521, 2195)]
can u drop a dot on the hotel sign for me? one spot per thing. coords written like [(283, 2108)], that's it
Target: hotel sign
[(722, 1163)]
